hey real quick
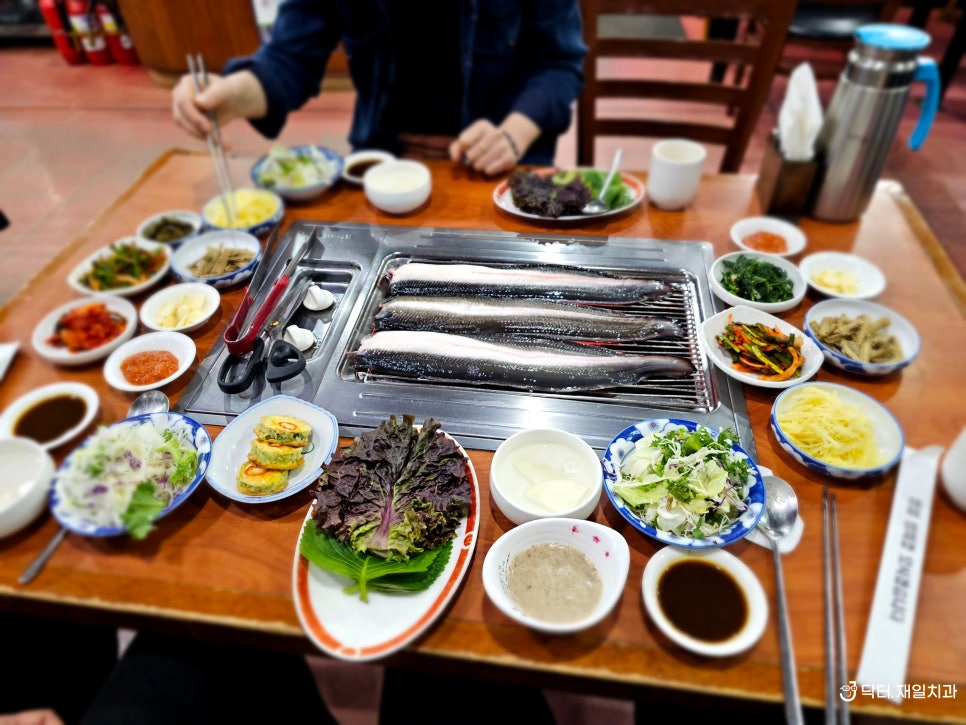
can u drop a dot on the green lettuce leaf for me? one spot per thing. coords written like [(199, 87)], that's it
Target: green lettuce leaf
[(142, 511)]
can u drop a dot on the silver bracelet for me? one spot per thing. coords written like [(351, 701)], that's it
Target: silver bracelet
[(513, 144)]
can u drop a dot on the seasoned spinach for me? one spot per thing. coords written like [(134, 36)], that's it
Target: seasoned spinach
[(756, 280)]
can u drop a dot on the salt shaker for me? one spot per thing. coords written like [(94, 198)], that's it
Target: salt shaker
[(953, 471)]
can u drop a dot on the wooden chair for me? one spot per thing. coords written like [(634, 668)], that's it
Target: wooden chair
[(612, 98)]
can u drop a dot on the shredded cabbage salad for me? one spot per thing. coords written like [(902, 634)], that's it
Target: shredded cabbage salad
[(98, 487), (685, 482), (286, 169)]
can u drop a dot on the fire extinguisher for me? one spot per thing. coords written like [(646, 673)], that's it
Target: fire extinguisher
[(84, 22), (68, 44), (119, 43)]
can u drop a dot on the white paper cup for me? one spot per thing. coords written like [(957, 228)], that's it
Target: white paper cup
[(676, 166)]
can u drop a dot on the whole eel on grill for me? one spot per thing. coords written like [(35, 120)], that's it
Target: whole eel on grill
[(546, 365), (548, 282), (533, 317)]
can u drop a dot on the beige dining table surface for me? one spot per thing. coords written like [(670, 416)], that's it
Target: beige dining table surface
[(224, 569)]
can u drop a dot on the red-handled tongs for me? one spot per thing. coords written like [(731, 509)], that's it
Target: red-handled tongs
[(245, 325)]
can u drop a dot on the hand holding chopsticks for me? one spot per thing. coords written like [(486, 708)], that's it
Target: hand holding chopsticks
[(199, 77), (836, 708)]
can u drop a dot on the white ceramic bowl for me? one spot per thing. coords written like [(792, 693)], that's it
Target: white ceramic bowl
[(899, 327), (148, 229), (26, 470), (605, 548), (794, 237), (399, 186), (744, 586), (798, 282), (544, 472), (75, 278), (178, 344), (889, 439), (869, 279), (189, 305), (317, 155), (116, 306), (259, 210), (357, 163), (80, 405), (714, 326), (196, 248)]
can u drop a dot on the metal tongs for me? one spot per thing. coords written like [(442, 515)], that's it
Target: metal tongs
[(199, 77)]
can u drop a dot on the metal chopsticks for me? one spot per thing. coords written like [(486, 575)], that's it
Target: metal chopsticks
[(199, 77), (836, 707)]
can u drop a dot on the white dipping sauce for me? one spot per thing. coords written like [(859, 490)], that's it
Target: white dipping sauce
[(554, 582), (545, 476), (396, 179)]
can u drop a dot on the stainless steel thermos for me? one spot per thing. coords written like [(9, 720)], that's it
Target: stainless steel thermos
[(864, 114)]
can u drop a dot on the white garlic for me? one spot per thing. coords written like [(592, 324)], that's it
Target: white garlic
[(299, 337), (317, 298)]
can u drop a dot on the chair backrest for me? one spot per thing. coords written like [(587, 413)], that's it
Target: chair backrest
[(630, 78)]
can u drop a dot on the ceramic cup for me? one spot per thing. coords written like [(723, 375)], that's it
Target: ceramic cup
[(675, 171)]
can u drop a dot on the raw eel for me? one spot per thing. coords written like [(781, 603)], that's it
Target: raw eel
[(548, 365), (549, 282), (544, 318)]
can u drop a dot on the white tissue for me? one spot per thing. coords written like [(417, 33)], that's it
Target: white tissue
[(317, 298), (800, 117), (300, 337)]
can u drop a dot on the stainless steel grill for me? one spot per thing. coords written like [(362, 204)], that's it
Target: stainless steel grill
[(354, 267)]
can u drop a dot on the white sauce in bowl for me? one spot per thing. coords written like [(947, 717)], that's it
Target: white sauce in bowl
[(554, 582), (397, 179)]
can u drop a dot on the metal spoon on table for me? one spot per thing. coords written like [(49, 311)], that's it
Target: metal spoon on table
[(781, 511), (598, 206), (151, 401)]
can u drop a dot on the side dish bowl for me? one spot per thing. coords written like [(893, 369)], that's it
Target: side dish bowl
[(714, 326), (257, 211), (544, 472), (623, 444), (746, 586), (81, 404), (179, 345), (399, 186), (868, 279), (121, 282), (886, 438), (359, 162), (26, 470), (324, 167), (170, 228), (605, 548), (181, 307), (117, 308), (194, 250), (794, 237), (798, 282), (899, 328)]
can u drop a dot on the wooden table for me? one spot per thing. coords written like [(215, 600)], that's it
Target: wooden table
[(224, 570)]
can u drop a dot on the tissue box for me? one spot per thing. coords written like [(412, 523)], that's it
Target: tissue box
[(784, 187)]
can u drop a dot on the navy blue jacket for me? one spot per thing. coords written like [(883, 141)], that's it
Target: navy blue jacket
[(516, 55)]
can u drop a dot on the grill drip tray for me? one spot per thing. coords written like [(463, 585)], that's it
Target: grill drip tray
[(354, 266)]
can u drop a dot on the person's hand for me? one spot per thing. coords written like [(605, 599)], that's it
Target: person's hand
[(238, 95), (485, 148), (32, 717)]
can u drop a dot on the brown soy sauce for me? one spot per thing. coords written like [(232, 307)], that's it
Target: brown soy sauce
[(50, 418), (702, 600), (359, 168)]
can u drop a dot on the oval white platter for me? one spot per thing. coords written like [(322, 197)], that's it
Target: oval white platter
[(345, 627)]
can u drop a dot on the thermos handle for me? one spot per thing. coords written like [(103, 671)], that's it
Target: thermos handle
[(928, 72)]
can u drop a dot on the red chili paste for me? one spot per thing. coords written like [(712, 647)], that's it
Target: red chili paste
[(766, 242), (150, 366)]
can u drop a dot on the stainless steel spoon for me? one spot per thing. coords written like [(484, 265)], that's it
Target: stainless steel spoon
[(597, 206), (151, 401), (781, 511)]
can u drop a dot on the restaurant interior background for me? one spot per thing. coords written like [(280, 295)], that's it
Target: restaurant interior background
[(75, 136)]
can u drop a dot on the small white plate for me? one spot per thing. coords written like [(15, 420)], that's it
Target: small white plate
[(179, 345), (754, 595), (25, 402), (181, 215), (793, 236), (230, 450), (503, 198), (798, 282), (74, 278), (154, 305), (356, 164), (61, 355), (871, 281), (714, 326)]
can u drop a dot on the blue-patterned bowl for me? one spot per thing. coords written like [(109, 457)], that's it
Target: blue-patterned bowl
[(259, 210), (321, 156), (899, 327), (195, 249), (624, 442), (889, 438), (79, 506)]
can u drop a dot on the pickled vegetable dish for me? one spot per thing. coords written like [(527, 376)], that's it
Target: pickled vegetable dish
[(761, 350), (125, 265)]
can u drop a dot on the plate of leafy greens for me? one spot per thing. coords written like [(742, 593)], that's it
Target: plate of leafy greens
[(387, 541), (554, 195)]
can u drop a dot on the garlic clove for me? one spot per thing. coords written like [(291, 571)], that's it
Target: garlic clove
[(318, 299), (299, 337)]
